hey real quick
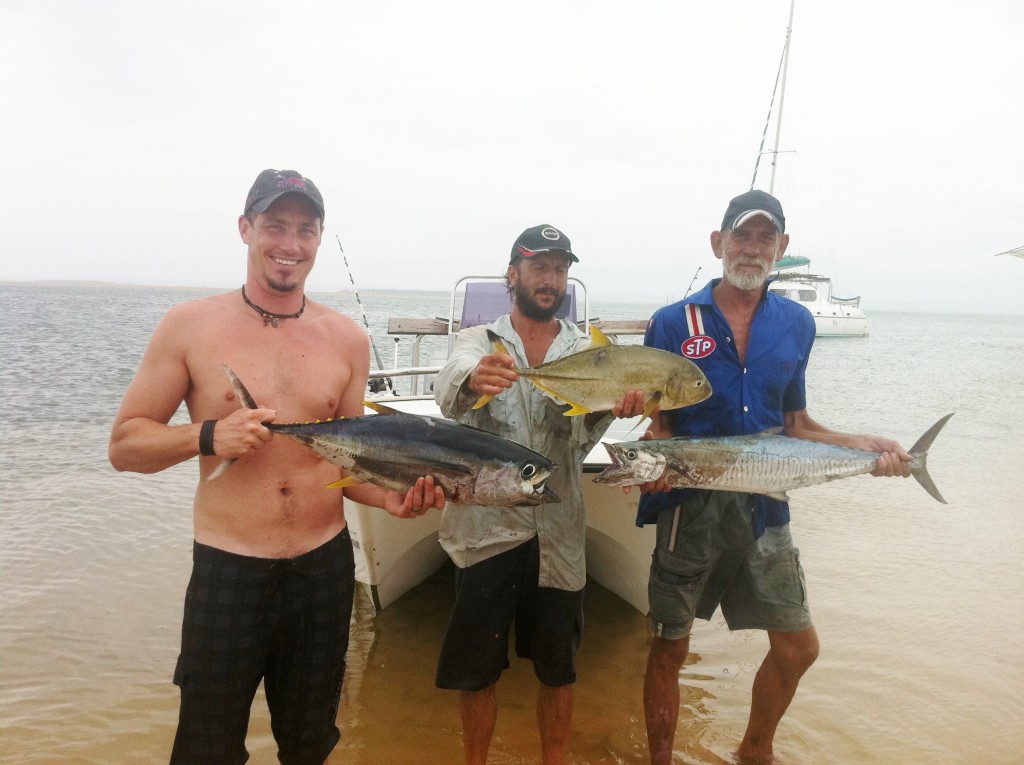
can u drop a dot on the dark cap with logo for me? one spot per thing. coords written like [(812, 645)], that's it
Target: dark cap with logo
[(271, 185), (754, 202), (538, 240)]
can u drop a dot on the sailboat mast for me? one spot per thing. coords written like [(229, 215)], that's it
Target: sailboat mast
[(782, 96)]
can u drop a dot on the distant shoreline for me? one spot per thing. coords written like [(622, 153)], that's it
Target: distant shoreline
[(91, 284), (965, 310)]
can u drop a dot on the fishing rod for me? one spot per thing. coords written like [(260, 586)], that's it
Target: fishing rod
[(380, 364), (688, 289)]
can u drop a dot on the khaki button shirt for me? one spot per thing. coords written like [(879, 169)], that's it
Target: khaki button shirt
[(523, 413)]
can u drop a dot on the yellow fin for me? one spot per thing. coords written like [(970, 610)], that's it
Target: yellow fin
[(598, 339), (349, 480), (650, 405), (498, 346), (575, 409), (379, 408), (581, 409)]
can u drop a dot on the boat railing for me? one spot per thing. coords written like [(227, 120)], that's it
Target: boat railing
[(377, 391), (852, 302), (420, 328)]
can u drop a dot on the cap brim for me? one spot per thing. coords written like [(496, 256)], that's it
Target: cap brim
[(743, 217), (264, 204), (546, 250)]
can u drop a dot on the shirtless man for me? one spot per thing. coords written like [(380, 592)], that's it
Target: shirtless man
[(273, 576)]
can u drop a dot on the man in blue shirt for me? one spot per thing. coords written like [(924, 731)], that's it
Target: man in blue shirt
[(730, 549)]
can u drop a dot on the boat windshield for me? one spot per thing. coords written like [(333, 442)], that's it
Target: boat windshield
[(800, 295)]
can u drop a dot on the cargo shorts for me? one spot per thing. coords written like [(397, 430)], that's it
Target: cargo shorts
[(706, 556)]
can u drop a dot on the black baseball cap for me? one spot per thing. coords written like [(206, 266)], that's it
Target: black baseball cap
[(541, 239), (271, 185), (754, 202)]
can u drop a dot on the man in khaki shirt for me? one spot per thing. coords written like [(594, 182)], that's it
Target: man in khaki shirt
[(521, 563)]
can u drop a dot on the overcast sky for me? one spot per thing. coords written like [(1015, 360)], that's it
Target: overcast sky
[(132, 130)]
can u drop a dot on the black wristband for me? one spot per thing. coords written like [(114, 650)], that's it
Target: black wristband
[(206, 438)]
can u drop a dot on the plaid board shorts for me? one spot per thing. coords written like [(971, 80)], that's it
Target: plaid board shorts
[(706, 556), (282, 621)]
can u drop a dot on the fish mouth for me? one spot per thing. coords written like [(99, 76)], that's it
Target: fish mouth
[(545, 493), (614, 469)]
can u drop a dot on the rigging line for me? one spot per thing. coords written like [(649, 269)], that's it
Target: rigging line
[(781, 90), (380, 364), (768, 119)]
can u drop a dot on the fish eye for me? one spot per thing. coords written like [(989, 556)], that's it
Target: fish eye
[(631, 454), (529, 470), (700, 383)]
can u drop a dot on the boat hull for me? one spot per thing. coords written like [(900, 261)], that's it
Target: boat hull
[(833, 317), (393, 555), (846, 324)]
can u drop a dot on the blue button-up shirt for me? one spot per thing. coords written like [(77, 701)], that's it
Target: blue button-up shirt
[(746, 398)]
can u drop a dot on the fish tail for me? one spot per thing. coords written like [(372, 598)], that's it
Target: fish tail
[(244, 397), (919, 451), (498, 346), (220, 470)]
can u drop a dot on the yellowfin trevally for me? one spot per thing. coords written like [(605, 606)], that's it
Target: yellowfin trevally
[(596, 378)]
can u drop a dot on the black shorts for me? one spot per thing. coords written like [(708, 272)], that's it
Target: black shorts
[(488, 595), (283, 621)]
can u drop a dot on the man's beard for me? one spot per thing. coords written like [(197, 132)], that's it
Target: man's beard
[(531, 309), (746, 280), (279, 286)]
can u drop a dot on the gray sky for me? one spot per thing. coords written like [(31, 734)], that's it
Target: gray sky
[(438, 131)]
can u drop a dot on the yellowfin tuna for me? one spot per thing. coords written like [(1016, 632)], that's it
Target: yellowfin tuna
[(392, 449)]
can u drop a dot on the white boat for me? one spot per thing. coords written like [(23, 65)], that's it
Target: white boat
[(393, 555), (833, 316)]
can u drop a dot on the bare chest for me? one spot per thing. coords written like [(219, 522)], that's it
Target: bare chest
[(296, 373)]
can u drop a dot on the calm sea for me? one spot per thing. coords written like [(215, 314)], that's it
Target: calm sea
[(919, 605)]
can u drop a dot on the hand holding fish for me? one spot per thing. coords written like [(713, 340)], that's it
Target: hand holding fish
[(630, 405), (494, 373), (422, 496), (242, 432), (893, 460)]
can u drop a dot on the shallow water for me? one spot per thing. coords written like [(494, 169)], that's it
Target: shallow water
[(919, 605)]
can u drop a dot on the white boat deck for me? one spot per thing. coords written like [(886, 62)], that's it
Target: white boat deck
[(393, 555)]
